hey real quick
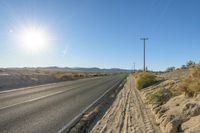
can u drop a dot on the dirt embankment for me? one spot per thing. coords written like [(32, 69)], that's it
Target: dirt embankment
[(179, 113), (127, 114), (153, 109), (176, 75), (16, 78)]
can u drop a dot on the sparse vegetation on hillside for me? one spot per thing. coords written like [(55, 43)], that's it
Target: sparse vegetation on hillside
[(175, 101), (145, 79), (190, 86), (63, 75), (161, 96)]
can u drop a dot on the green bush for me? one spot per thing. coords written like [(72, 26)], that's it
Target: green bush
[(145, 79), (161, 96)]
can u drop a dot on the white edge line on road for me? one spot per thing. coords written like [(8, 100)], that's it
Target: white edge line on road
[(34, 99), (82, 112), (30, 87), (38, 98), (43, 85)]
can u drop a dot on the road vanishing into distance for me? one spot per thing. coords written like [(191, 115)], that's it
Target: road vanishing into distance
[(48, 108)]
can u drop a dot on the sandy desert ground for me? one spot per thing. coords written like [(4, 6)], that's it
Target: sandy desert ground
[(128, 114), (16, 78)]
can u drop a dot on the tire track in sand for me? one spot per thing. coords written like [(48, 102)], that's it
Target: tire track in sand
[(128, 114)]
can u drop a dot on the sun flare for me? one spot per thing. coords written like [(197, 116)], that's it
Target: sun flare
[(33, 39)]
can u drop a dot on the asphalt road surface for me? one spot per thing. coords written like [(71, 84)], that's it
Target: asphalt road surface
[(48, 108)]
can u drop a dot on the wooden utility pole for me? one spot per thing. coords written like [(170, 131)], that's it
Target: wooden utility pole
[(144, 39)]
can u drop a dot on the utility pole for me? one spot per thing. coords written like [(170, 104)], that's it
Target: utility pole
[(144, 39)]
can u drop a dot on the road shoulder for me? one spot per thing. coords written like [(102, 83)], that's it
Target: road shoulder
[(128, 113)]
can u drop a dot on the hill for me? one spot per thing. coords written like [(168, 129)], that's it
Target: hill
[(80, 69)]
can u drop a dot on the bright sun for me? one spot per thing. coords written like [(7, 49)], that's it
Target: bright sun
[(33, 39)]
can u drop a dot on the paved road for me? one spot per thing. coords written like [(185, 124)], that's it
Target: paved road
[(48, 108)]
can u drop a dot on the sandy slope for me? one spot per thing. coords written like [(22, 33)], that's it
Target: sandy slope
[(16, 78), (127, 114)]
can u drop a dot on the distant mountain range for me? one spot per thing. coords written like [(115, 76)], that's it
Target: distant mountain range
[(79, 69)]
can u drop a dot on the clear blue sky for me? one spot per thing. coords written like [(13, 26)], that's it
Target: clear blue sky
[(102, 33)]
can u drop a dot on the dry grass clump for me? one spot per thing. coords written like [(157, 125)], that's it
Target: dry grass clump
[(190, 86), (45, 72), (145, 79), (74, 75), (161, 96)]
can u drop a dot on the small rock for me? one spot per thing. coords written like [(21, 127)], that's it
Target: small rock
[(167, 120), (156, 110), (172, 127)]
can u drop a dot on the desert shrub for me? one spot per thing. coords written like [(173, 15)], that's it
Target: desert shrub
[(190, 86), (183, 67), (64, 77), (169, 69), (46, 72), (37, 71), (145, 79), (161, 96), (34, 79), (189, 63)]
